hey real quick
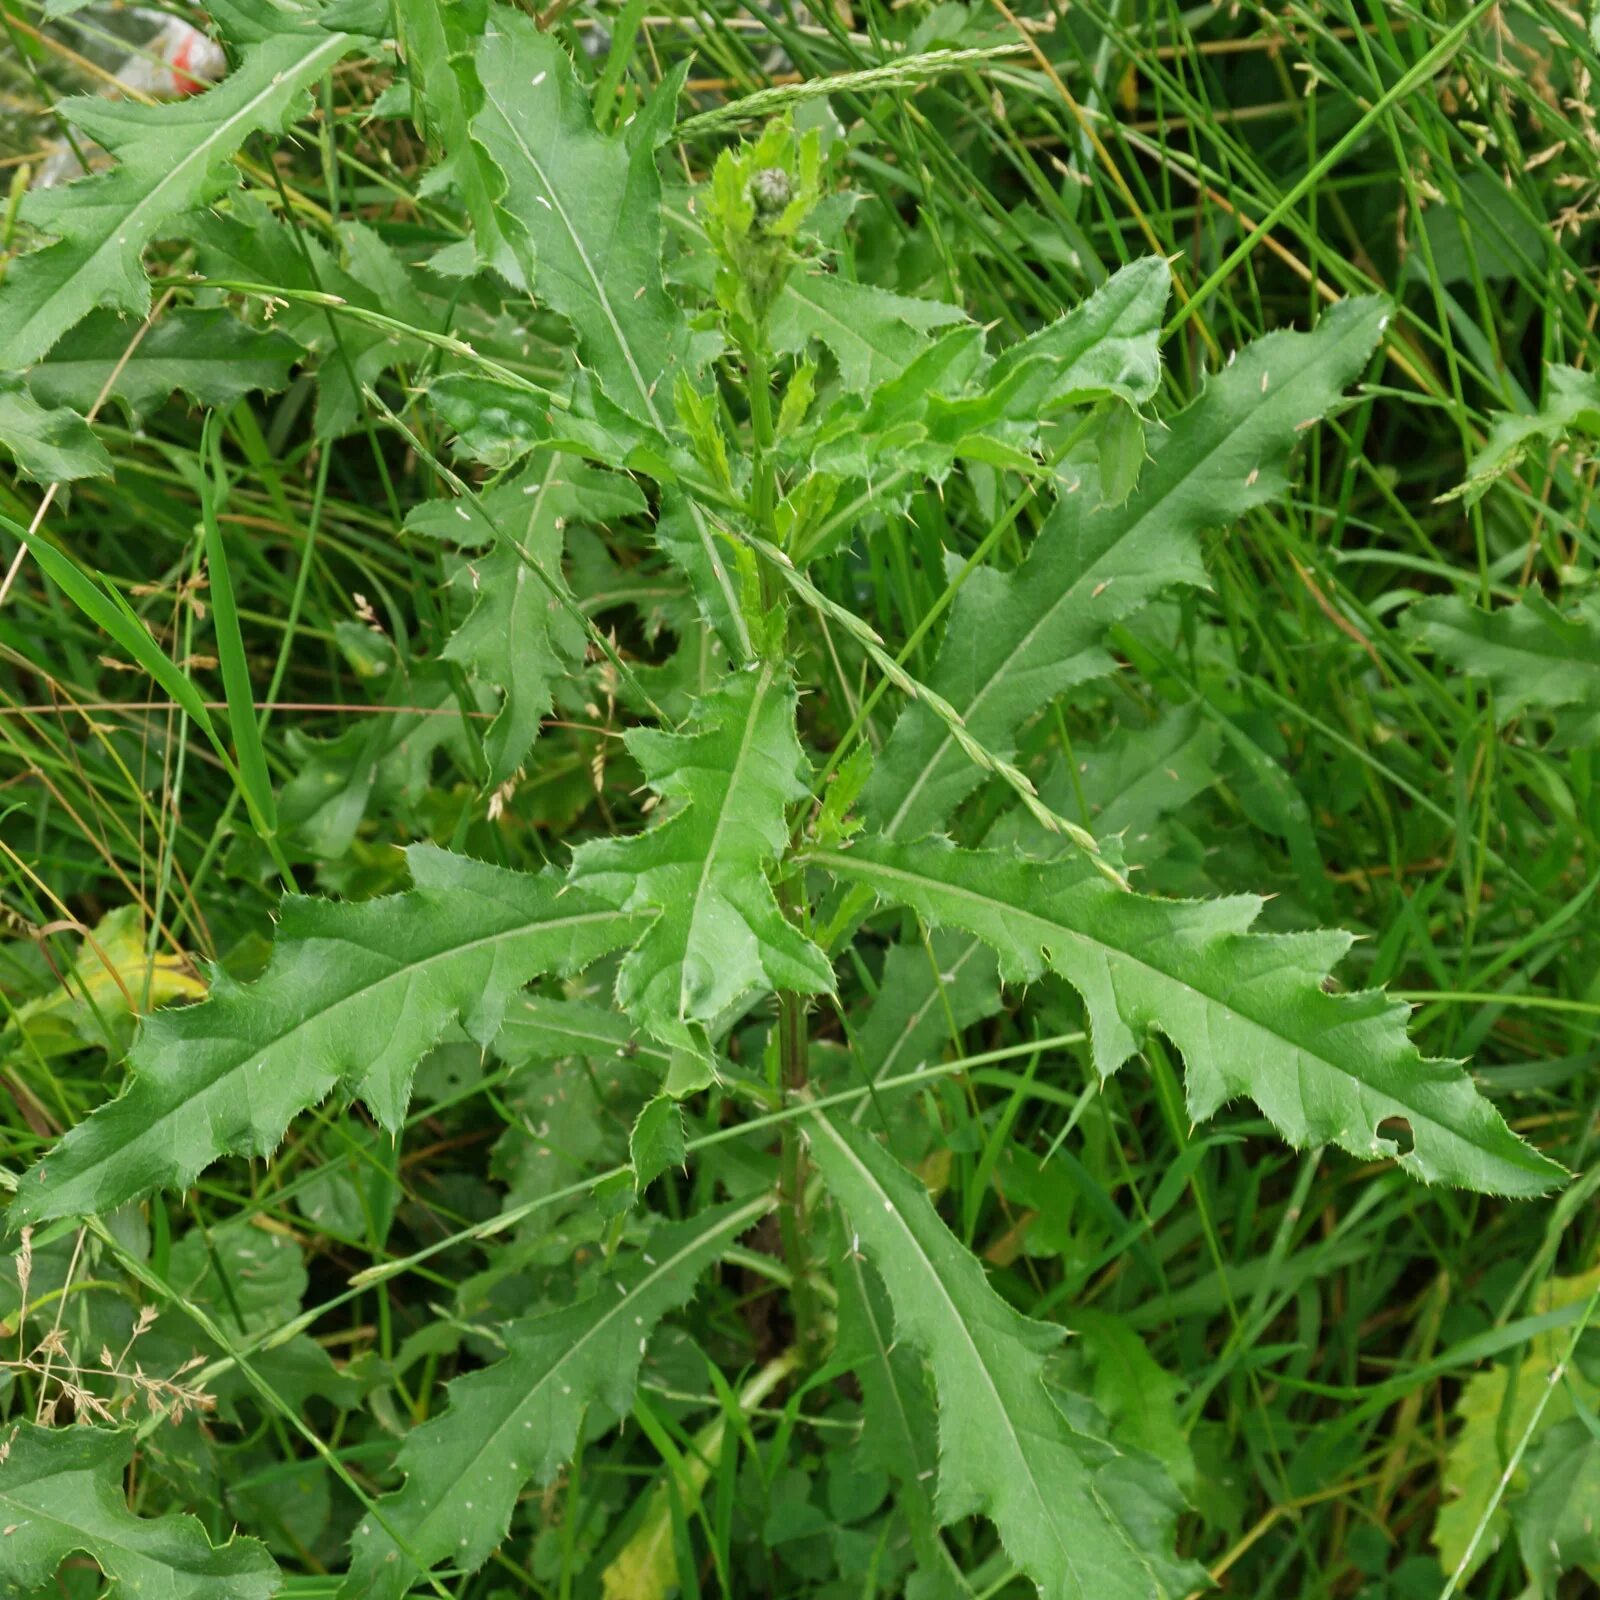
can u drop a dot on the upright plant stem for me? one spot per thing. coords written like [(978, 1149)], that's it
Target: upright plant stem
[(793, 1037)]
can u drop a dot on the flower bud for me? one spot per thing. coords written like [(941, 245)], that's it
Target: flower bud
[(770, 190)]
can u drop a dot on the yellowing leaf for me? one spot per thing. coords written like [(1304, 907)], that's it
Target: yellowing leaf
[(110, 979)]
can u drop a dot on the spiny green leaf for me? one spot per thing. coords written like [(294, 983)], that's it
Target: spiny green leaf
[(171, 158), (353, 997), (209, 355), (522, 634), (61, 1492), (1081, 1519), (1129, 781), (50, 444), (719, 932), (872, 334), (1016, 640), (1534, 657), (952, 401), (1571, 405), (656, 1142), (591, 206), (1248, 1011), (517, 1421)]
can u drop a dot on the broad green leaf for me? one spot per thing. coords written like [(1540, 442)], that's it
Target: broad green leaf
[(1571, 405), (570, 1116), (50, 444), (1533, 656), (1137, 1395), (516, 1422), (718, 931), (1494, 1412), (1249, 1011), (1129, 781), (61, 1492), (1137, 775), (171, 158), (519, 636), (1016, 640), (1081, 1519), (523, 634), (378, 762), (209, 355), (872, 334), (1557, 1524), (591, 206), (353, 997)]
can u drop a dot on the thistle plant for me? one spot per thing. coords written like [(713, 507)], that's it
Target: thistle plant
[(806, 844)]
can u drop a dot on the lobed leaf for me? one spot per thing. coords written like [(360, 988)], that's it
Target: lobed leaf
[(1082, 1519), (871, 333), (1532, 655), (517, 1421), (951, 401), (1249, 1011), (171, 158), (1571, 406), (61, 1492), (50, 444), (353, 997), (206, 354), (718, 931), (591, 207), (1016, 640), (523, 633)]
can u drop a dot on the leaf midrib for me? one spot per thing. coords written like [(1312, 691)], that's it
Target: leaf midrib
[(119, 232), (1071, 593), (863, 867), (735, 776), (942, 1293), (733, 1224)]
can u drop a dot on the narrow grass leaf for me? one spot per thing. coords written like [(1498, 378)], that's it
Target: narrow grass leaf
[(255, 782)]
